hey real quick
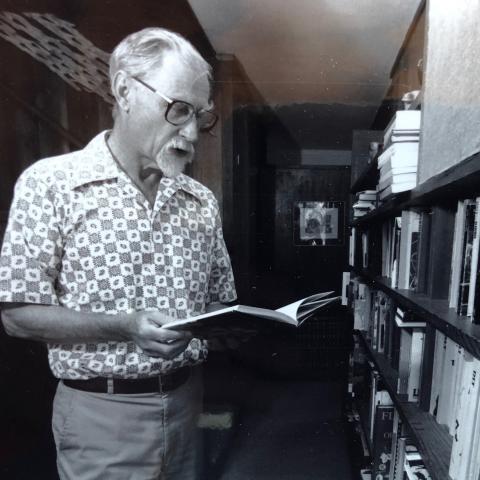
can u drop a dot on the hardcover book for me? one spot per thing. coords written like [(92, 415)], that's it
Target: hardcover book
[(382, 442)]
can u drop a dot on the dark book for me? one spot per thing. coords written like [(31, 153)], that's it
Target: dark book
[(466, 261), (241, 319), (382, 442), (476, 301)]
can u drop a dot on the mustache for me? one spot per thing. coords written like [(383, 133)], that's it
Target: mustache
[(181, 144)]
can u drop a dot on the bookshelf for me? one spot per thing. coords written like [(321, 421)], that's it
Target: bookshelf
[(458, 182), (427, 240), (436, 312), (433, 440)]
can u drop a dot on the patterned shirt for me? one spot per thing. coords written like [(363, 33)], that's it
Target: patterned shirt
[(81, 235)]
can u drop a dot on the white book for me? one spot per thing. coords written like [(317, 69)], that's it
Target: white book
[(415, 371), (361, 312), (365, 250), (404, 137), (445, 404), (351, 252), (389, 172), (345, 283), (404, 361), (390, 179), (457, 387), (457, 250), (465, 409), (438, 361), (366, 195), (241, 318), (396, 188), (395, 251), (469, 420), (473, 471), (404, 120), (399, 155), (386, 246), (410, 227)]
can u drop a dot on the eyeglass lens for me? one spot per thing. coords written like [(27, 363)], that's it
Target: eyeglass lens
[(180, 112)]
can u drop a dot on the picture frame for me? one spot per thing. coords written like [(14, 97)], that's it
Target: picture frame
[(319, 223)]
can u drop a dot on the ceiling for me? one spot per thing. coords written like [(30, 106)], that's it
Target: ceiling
[(311, 53), (322, 65)]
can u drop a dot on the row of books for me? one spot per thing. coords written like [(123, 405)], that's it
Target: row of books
[(393, 456), (454, 396), (398, 162), (465, 270), (399, 250), (392, 332), (455, 403), (400, 254)]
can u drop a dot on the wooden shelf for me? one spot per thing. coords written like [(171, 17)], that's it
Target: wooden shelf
[(432, 439), (456, 183), (436, 312)]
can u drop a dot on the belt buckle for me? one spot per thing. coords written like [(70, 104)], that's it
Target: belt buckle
[(110, 388)]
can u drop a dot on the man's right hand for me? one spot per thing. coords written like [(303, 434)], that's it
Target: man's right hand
[(145, 330)]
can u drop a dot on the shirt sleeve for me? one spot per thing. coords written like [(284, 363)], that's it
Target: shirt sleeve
[(32, 247), (221, 286)]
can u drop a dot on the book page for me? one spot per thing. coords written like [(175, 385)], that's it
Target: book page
[(296, 309)]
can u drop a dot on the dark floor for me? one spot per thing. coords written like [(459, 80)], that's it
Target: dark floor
[(294, 432)]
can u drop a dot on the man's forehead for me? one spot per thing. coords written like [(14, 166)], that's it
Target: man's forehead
[(176, 72)]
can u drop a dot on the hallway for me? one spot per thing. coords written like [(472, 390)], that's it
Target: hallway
[(292, 431)]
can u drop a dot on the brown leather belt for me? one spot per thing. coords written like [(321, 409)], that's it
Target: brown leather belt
[(159, 384)]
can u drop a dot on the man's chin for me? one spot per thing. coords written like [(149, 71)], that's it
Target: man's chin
[(172, 166)]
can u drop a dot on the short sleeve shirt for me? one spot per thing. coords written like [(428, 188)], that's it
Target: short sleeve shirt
[(82, 236)]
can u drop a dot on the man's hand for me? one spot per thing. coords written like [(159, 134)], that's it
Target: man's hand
[(145, 330)]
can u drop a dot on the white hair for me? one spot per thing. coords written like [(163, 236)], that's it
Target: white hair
[(141, 51)]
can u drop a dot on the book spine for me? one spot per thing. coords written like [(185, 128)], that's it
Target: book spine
[(464, 287), (474, 261), (382, 442), (457, 253), (416, 357)]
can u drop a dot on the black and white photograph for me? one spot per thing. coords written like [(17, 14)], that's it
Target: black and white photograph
[(239, 240)]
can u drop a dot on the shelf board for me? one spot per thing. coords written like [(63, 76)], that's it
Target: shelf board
[(457, 182), (432, 439), (436, 312), (393, 205)]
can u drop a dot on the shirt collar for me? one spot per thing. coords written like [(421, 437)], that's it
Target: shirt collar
[(97, 164)]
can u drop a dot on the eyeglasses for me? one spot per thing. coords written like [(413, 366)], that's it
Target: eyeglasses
[(179, 112)]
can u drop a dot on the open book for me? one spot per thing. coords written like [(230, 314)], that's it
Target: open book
[(243, 318)]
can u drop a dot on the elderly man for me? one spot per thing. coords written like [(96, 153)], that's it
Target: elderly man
[(106, 244)]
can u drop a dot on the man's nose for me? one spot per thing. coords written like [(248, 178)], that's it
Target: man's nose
[(189, 130)]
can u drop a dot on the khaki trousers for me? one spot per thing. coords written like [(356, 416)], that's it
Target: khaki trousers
[(128, 437)]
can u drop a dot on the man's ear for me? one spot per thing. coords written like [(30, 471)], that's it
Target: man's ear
[(121, 90)]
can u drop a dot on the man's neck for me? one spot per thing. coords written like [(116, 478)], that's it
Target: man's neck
[(134, 167)]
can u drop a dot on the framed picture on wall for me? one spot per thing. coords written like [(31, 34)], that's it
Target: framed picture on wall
[(318, 224)]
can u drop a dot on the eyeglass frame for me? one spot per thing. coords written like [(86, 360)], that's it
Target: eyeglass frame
[(172, 101)]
